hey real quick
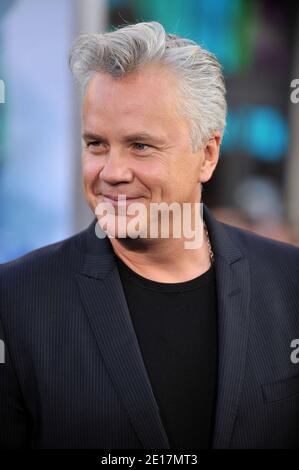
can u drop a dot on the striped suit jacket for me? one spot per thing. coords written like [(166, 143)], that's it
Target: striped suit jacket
[(74, 376)]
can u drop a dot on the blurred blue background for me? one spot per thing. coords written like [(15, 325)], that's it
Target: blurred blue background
[(255, 183)]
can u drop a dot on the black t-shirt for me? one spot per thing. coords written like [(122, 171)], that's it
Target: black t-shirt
[(176, 328)]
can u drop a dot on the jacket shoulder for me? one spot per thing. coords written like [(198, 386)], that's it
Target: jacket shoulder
[(260, 248)]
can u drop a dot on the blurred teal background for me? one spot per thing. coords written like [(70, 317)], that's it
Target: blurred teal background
[(255, 183)]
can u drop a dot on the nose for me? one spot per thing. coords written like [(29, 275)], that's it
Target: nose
[(116, 169)]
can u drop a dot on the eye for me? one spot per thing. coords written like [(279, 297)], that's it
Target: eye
[(141, 146), (95, 143)]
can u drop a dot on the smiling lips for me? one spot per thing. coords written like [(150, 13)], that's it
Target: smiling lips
[(114, 199)]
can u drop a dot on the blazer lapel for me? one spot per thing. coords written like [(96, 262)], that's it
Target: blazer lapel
[(233, 291), (106, 308)]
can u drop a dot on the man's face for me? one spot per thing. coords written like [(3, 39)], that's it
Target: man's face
[(135, 142)]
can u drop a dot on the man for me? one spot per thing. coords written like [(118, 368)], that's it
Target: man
[(125, 341)]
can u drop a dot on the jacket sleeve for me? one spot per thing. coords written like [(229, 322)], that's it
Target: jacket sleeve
[(14, 419)]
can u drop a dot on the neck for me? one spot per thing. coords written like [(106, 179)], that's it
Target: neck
[(163, 260)]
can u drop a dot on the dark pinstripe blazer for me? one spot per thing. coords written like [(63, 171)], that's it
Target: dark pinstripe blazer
[(74, 376)]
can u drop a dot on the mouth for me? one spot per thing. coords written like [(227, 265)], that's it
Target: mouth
[(115, 201)]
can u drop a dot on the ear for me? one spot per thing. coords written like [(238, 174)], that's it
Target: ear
[(210, 157)]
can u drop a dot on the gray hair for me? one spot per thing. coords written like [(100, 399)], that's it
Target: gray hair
[(201, 81)]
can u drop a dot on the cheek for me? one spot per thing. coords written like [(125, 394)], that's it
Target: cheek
[(153, 176), (91, 168), (161, 175), (156, 169)]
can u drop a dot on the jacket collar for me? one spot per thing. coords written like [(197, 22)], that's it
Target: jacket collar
[(106, 308)]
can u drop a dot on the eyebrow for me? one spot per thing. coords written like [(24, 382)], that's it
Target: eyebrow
[(139, 136)]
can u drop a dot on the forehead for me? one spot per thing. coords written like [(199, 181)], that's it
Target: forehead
[(149, 93)]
